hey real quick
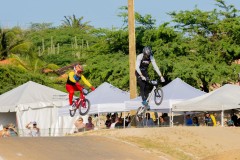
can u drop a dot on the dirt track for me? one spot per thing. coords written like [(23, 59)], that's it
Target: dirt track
[(67, 148), (163, 143)]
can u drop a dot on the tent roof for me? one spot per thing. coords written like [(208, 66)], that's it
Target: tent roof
[(178, 89), (223, 98), (31, 95), (107, 93)]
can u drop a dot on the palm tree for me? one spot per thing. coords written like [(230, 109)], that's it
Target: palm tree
[(72, 21), (12, 42)]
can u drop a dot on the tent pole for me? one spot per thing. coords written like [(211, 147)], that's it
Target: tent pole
[(222, 117), (170, 111), (17, 123), (172, 118), (124, 119), (184, 118), (98, 121)]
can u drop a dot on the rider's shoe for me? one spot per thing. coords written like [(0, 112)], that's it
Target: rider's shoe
[(71, 107), (145, 103)]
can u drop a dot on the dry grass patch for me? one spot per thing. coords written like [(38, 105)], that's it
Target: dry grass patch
[(177, 142)]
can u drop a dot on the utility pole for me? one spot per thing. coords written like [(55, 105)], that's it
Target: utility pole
[(132, 49)]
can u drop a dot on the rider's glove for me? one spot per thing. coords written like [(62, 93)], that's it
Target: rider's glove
[(92, 88), (162, 79), (143, 78)]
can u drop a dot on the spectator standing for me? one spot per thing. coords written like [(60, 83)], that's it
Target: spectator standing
[(79, 124), (114, 120), (208, 120), (234, 118), (118, 123), (34, 131), (195, 121), (213, 119), (189, 121), (166, 119), (148, 121), (161, 121), (108, 121), (128, 120)]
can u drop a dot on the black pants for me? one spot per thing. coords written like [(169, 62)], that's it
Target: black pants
[(145, 88)]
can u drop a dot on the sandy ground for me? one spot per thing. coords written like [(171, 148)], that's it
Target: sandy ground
[(163, 143), (218, 143)]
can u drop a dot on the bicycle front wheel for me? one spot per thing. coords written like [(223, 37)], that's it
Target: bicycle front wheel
[(84, 107), (72, 112), (158, 96)]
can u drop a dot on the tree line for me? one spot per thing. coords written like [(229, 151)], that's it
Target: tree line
[(200, 47)]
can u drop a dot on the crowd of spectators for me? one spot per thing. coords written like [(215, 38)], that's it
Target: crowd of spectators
[(213, 119), (81, 126), (115, 120)]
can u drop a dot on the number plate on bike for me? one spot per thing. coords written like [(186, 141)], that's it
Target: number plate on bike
[(154, 82)]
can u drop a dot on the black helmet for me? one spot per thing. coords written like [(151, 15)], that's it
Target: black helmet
[(147, 51)]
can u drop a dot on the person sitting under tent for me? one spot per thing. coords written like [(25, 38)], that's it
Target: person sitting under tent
[(79, 125)]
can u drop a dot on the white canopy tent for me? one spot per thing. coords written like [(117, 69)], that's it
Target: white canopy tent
[(224, 98), (176, 91), (105, 99), (33, 102)]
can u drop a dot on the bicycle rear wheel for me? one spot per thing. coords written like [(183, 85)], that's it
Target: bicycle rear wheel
[(84, 107), (158, 96)]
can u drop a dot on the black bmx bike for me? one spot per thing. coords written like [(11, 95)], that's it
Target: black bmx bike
[(156, 93)]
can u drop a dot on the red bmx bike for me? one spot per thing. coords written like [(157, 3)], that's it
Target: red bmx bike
[(81, 104)]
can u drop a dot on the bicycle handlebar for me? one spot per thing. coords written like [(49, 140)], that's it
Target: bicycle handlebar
[(85, 91), (153, 82)]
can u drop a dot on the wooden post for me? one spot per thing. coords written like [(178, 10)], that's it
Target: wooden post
[(132, 49)]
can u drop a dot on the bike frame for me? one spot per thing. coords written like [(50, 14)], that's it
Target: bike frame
[(148, 99), (151, 94), (80, 99)]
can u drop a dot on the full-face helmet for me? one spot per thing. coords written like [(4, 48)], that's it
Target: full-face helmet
[(147, 51), (78, 69)]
